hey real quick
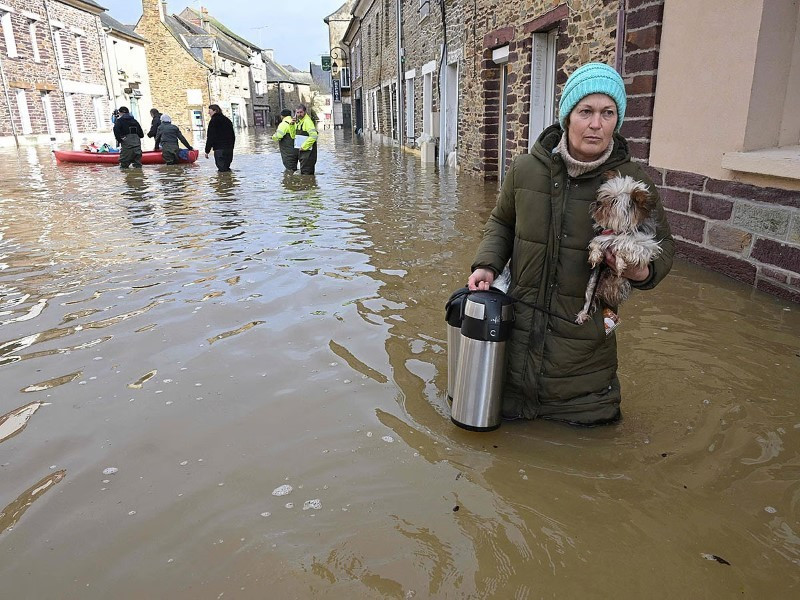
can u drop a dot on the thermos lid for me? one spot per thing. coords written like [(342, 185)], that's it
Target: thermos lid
[(453, 310), (488, 316)]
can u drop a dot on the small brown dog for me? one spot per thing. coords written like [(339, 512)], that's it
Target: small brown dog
[(622, 216)]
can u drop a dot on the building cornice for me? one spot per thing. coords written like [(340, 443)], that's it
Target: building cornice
[(89, 7)]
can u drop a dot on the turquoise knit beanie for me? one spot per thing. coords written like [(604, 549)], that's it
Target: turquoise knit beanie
[(592, 78)]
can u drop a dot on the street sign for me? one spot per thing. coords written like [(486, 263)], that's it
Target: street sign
[(326, 63), (337, 91)]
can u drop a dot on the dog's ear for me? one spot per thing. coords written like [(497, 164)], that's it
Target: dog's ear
[(643, 202)]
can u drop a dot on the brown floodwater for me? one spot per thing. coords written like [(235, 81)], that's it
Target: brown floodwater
[(178, 348)]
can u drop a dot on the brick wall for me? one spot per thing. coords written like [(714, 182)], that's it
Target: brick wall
[(84, 78), (36, 77), (750, 233)]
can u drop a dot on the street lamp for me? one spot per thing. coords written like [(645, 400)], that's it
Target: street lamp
[(337, 54)]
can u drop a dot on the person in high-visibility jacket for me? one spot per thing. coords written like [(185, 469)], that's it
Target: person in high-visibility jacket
[(284, 135), (304, 125)]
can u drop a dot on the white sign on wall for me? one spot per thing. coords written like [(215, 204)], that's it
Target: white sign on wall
[(194, 97)]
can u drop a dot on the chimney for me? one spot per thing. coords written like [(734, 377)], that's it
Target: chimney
[(269, 53), (162, 10), (204, 23)]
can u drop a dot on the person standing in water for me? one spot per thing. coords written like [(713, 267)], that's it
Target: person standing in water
[(128, 134), (308, 150), (284, 135)]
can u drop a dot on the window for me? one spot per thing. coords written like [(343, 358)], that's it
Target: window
[(100, 112), (34, 42), (24, 115), (344, 77), (375, 42), (424, 8), (47, 106), (59, 48), (8, 34), (79, 48), (409, 107), (369, 37)]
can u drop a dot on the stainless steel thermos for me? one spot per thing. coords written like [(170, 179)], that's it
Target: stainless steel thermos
[(454, 314), (477, 390)]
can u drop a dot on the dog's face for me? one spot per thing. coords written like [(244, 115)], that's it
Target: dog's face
[(622, 203)]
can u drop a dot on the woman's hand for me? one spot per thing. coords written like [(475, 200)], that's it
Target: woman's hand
[(632, 272), (480, 280)]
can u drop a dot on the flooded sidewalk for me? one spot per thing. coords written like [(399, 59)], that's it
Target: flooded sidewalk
[(233, 386)]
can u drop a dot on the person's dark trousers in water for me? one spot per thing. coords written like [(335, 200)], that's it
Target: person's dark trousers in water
[(288, 153), (223, 159), (130, 152), (169, 152), (220, 138), (308, 160)]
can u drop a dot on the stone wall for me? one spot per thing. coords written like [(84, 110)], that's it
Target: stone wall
[(586, 32), (379, 63), (172, 69)]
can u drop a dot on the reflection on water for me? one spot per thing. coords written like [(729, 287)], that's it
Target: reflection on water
[(215, 336)]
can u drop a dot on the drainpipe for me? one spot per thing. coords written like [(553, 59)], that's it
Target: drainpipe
[(8, 103), (104, 54), (620, 46), (58, 69), (400, 74)]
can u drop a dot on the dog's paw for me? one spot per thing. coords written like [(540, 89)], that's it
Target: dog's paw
[(582, 317)]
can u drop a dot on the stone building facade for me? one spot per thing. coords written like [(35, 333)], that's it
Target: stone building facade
[(433, 37), (352, 43), (53, 71), (378, 25), (246, 85), (500, 43), (341, 71), (179, 79)]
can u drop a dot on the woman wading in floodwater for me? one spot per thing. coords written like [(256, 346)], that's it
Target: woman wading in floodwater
[(558, 369)]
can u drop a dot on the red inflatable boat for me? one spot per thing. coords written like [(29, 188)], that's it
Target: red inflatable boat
[(152, 157)]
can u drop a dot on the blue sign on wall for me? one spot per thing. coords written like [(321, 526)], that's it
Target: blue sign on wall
[(337, 91)]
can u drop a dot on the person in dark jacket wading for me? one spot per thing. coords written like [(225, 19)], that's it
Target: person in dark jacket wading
[(220, 138), (156, 116), (557, 369), (128, 134)]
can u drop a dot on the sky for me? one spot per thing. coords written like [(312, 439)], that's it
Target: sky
[(272, 24)]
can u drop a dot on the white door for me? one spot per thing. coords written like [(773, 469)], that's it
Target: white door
[(503, 130), (543, 84), (450, 103), (427, 103), (410, 109)]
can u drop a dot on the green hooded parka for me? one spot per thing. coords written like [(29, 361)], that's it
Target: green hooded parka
[(556, 368)]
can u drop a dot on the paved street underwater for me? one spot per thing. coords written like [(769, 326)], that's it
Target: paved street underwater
[(233, 386)]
